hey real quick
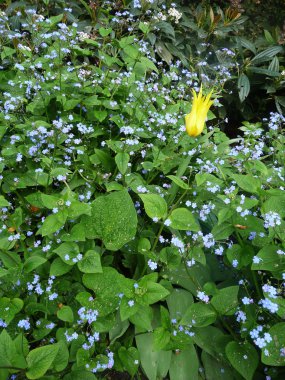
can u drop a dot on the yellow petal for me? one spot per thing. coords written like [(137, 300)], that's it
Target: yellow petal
[(195, 120)]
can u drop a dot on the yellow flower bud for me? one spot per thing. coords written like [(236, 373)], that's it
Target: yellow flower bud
[(195, 120)]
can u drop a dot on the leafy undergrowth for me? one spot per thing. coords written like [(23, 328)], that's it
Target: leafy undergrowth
[(129, 249)]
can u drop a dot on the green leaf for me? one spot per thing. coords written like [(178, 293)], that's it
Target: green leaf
[(170, 256), (222, 231), (132, 51), (148, 65), (215, 368), (243, 254), (91, 262), (79, 375), (263, 71), (126, 309), (154, 363), (182, 277), (269, 37), (247, 182), (179, 182), (154, 205), (7, 52), (144, 27), (100, 115), (275, 347), (248, 45), (9, 354), (267, 54), (61, 360), (143, 317), (129, 357), (7, 349), (70, 104), (178, 302), (166, 28), (122, 160), (105, 31), (40, 359), (153, 292), (107, 286), (67, 252), (59, 267), (183, 219), (9, 308), (118, 329), (163, 52), (144, 245), (21, 344), (113, 219), (92, 101), (275, 203), (274, 65), (77, 233), (77, 209), (48, 201), (3, 202), (269, 259), (243, 87), (55, 19), (226, 302), (161, 338), (53, 223), (243, 357), (184, 364), (199, 315), (33, 262), (65, 314)]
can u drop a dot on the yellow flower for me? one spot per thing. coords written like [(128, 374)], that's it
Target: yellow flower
[(195, 120)]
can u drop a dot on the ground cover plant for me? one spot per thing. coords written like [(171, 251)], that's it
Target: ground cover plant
[(132, 244)]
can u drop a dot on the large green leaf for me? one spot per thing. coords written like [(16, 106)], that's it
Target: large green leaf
[(267, 54), (113, 219), (183, 219), (184, 364), (130, 359), (154, 205), (276, 347), (65, 314), (9, 308), (269, 259), (107, 287), (199, 315), (79, 375), (40, 359), (122, 160), (61, 360), (178, 302), (7, 350), (154, 363), (243, 357), (216, 369), (91, 262), (226, 302), (247, 182), (53, 223)]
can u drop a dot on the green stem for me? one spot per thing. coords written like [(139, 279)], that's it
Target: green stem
[(157, 236), (179, 200), (180, 172), (254, 278)]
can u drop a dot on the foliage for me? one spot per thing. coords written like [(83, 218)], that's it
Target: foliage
[(126, 244)]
